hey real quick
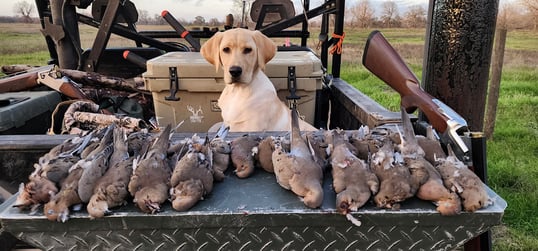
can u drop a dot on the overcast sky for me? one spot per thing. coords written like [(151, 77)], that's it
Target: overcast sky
[(188, 9)]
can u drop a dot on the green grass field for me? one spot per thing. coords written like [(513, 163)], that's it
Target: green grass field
[(512, 153)]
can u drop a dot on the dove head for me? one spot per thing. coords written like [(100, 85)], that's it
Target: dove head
[(151, 206), (344, 202), (145, 200), (243, 171), (450, 205), (56, 211), (314, 197), (97, 208), (24, 198), (186, 194), (221, 146), (347, 202), (474, 199), (392, 193)]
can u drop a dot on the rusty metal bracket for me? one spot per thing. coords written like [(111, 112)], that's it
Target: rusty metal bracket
[(54, 31), (99, 44)]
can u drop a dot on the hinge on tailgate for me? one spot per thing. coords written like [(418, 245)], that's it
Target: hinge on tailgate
[(292, 86), (174, 84)]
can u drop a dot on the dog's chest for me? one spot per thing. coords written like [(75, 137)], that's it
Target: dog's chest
[(240, 103), (234, 100)]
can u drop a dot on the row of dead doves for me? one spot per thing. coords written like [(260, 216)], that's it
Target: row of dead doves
[(105, 168)]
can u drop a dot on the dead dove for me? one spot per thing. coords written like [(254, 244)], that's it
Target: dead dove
[(411, 153), (353, 181), (265, 154), (460, 179), (431, 186), (111, 189), (150, 181), (221, 150), (95, 165), (192, 177), (297, 170), (57, 209), (395, 179), (36, 191), (244, 150)]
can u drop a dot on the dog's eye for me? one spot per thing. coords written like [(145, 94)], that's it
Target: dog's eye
[(247, 50), (226, 49)]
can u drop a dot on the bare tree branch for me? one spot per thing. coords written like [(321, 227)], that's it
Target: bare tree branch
[(25, 9)]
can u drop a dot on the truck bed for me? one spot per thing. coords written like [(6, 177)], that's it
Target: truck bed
[(248, 214), (255, 214)]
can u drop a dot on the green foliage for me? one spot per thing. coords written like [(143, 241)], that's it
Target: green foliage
[(33, 58), (522, 40), (513, 154)]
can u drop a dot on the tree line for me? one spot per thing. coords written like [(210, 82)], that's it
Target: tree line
[(521, 14)]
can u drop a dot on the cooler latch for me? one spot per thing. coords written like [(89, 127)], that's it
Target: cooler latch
[(174, 84), (292, 86)]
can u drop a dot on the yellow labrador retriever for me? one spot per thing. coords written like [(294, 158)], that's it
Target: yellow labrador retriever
[(249, 101)]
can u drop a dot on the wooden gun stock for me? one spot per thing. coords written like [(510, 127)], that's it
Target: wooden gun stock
[(71, 90), (383, 61)]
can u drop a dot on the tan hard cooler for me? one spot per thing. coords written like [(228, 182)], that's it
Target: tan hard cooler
[(199, 86)]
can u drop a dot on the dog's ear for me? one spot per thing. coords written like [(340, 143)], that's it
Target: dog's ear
[(210, 50), (266, 48)]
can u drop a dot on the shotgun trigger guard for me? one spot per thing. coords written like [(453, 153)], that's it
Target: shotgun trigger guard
[(454, 124), (460, 146)]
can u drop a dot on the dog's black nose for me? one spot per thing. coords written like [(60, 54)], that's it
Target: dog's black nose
[(235, 71)]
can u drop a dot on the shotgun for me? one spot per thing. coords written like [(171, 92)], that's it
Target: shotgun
[(54, 79), (21, 81), (382, 60)]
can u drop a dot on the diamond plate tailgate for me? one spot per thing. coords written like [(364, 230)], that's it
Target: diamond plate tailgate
[(256, 214)]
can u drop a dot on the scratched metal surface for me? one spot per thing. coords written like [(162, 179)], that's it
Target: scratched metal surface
[(458, 55), (255, 214)]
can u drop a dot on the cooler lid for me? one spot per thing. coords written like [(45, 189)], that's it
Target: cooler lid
[(193, 65)]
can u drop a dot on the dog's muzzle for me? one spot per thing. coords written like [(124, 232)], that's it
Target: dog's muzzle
[(235, 71)]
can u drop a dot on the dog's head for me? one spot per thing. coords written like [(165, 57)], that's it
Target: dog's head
[(240, 52)]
